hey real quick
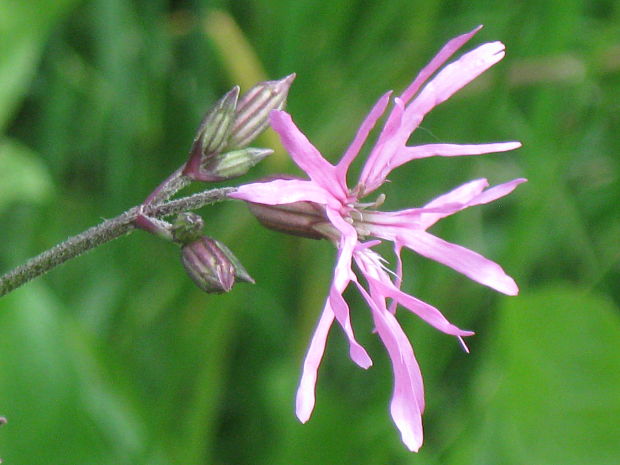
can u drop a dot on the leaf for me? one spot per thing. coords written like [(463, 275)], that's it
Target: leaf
[(23, 31), (550, 384), (23, 176), (60, 405)]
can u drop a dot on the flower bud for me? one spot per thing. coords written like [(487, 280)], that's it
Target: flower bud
[(213, 133), (216, 126), (208, 266), (232, 164), (252, 114), (187, 227), (212, 266), (240, 272)]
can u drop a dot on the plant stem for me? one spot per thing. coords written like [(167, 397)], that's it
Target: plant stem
[(102, 233), (170, 186)]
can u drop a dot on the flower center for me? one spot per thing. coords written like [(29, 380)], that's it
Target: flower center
[(360, 215)]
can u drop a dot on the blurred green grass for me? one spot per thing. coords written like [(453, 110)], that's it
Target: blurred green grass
[(116, 358)]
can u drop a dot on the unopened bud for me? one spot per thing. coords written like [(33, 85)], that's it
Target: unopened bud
[(213, 133), (216, 126), (298, 218), (240, 272), (187, 227), (212, 266), (233, 164), (252, 114), (208, 266)]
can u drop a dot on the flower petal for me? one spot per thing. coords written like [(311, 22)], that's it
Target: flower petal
[(438, 60), (306, 156), (399, 274), (340, 308), (421, 218), (390, 141), (460, 195), (342, 276), (281, 191), (395, 134), (449, 150), (362, 134), (390, 151), (425, 311), (307, 385), (451, 202), (467, 195), (407, 403), (496, 192), (451, 79), (381, 285), (465, 261)]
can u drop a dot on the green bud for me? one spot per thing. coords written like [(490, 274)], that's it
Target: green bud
[(233, 164), (187, 227), (213, 133), (217, 124), (252, 113)]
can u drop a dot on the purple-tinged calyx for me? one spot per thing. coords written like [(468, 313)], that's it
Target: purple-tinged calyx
[(220, 151), (216, 127), (305, 219), (252, 114), (233, 164), (298, 218), (212, 266), (208, 266)]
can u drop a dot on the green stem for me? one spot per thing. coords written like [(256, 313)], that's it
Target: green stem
[(102, 233)]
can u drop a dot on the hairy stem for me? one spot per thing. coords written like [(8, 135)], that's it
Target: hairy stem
[(171, 185), (102, 233)]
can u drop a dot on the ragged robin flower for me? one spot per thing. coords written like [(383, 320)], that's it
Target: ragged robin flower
[(350, 223)]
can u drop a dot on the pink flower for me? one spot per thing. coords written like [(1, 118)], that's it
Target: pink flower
[(348, 223)]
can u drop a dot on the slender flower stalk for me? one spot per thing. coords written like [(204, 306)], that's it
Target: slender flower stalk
[(102, 233), (324, 204), (218, 153)]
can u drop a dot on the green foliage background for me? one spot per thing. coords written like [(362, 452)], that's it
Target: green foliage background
[(116, 358)]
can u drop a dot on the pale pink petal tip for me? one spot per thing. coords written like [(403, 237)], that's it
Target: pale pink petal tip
[(305, 399), (506, 146), (360, 356), (410, 429), (509, 287), (304, 408), (412, 443), (498, 280)]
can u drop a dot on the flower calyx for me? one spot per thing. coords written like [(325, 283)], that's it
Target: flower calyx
[(210, 264), (220, 151)]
